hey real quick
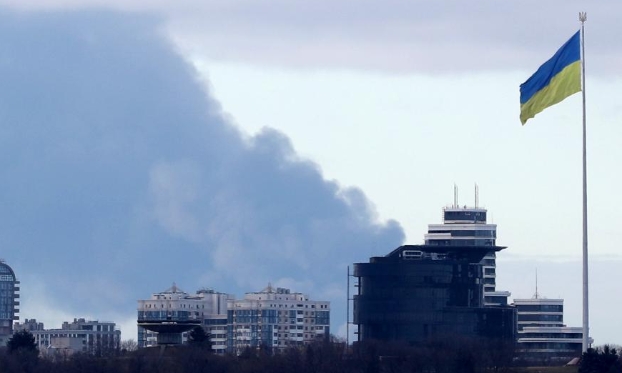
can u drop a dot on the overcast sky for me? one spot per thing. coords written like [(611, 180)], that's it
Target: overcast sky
[(228, 132)]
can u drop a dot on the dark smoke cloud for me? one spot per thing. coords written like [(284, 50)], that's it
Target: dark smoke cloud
[(121, 174)]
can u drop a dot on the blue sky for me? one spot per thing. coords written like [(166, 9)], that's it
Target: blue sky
[(233, 132)]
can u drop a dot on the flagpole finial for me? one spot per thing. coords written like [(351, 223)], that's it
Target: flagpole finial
[(582, 16)]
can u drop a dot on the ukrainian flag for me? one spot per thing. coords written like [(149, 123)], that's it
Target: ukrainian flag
[(555, 80)]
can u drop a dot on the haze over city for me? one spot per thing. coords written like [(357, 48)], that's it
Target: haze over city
[(233, 145)]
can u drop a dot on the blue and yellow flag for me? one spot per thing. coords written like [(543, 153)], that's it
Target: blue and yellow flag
[(555, 80)]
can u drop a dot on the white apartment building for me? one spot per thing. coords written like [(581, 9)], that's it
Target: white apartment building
[(276, 318), (94, 337), (167, 316)]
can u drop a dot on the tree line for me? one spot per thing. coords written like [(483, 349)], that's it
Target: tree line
[(442, 355)]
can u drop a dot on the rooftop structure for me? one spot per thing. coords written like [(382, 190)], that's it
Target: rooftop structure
[(28, 324)]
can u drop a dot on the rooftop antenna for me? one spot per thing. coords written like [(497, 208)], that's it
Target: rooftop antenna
[(476, 196), (455, 196), (536, 295)]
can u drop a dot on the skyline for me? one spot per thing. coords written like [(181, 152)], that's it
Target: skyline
[(353, 98)]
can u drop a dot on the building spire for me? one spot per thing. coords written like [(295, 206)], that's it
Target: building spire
[(536, 295)]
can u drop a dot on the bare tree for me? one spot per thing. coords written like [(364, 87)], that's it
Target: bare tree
[(129, 345)]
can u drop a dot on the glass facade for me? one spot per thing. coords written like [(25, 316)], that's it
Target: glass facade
[(411, 300), (541, 308), (469, 216), (9, 301), (541, 318)]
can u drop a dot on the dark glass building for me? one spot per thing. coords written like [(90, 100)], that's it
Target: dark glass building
[(421, 291)]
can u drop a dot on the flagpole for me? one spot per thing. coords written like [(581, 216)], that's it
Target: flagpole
[(586, 315)]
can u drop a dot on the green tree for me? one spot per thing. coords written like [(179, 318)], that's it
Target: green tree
[(600, 360), (22, 342), (198, 337)]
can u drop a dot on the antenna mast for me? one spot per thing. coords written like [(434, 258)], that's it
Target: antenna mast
[(476, 196), (536, 295)]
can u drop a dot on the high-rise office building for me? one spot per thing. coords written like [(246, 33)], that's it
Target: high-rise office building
[(9, 302), (443, 288), (468, 226), (418, 292)]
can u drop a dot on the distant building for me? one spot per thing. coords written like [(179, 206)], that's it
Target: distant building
[(9, 302), (418, 292), (467, 226), (441, 289), (542, 334), (81, 335), (275, 319), (168, 315), (29, 324)]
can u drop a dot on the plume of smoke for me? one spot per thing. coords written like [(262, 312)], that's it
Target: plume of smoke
[(121, 174)]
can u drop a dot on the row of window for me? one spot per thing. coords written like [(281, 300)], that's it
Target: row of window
[(551, 335), (468, 216), (255, 312), (473, 242), (540, 317), (170, 305), (551, 345), (261, 305), (466, 233), (270, 320), (539, 308)]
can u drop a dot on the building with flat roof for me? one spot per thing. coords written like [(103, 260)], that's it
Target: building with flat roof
[(418, 292), (168, 315), (541, 332), (9, 302), (276, 319), (81, 335), (28, 324), (273, 318)]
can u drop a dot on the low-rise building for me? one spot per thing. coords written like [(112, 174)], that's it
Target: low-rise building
[(542, 334), (29, 324), (81, 335)]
